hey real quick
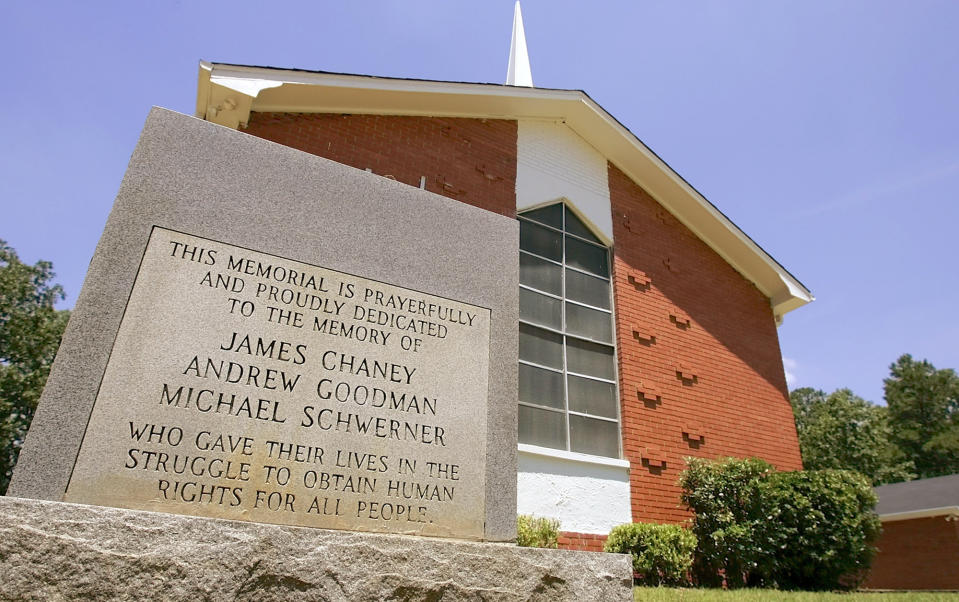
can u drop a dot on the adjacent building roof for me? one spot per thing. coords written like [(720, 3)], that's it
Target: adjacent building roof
[(227, 94), (917, 499)]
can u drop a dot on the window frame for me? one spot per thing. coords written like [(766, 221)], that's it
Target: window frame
[(562, 332)]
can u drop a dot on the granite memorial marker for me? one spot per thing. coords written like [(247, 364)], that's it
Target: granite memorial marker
[(310, 351), (277, 339)]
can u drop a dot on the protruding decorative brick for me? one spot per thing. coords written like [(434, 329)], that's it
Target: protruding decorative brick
[(685, 373), (643, 334), (680, 319), (649, 394), (671, 265), (639, 279), (654, 457), (694, 433)]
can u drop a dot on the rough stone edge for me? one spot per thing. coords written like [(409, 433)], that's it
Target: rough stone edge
[(56, 550), (183, 145)]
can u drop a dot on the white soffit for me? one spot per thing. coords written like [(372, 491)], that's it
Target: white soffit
[(221, 98)]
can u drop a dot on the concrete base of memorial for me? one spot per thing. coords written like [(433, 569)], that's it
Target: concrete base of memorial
[(56, 551)]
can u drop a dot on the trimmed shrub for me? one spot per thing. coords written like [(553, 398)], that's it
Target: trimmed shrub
[(532, 532), (728, 521), (792, 530), (662, 554), (824, 524)]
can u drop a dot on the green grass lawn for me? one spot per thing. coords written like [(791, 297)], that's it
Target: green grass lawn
[(666, 594)]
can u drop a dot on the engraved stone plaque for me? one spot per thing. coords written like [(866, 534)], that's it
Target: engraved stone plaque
[(243, 385)]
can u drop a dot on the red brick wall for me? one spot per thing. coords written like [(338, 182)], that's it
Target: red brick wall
[(922, 553), (585, 542), (730, 398), (470, 160)]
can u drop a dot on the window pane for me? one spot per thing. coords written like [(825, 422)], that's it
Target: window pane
[(586, 358), (591, 396), (585, 289), (585, 256), (540, 274), (542, 427), (539, 240), (577, 227), (540, 346), (542, 387), (591, 436), (551, 216), (541, 309), (589, 323)]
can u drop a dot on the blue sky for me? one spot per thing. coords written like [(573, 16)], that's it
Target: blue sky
[(827, 130)]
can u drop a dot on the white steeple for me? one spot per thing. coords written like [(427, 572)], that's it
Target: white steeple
[(518, 73)]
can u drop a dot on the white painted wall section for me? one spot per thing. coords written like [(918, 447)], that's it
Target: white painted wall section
[(553, 162), (587, 494)]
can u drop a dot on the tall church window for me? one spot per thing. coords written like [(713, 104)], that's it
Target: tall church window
[(567, 359)]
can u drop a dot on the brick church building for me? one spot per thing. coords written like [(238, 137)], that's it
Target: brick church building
[(647, 318)]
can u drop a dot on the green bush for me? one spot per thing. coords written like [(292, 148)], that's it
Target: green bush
[(532, 532), (792, 530), (728, 516), (824, 524), (662, 554)]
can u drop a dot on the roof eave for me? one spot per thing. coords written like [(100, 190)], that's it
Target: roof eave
[(228, 93), (947, 511)]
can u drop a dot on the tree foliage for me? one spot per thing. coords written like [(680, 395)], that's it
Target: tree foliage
[(923, 407), (844, 431), (30, 331)]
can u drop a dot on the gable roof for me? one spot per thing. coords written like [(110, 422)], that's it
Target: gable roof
[(914, 499), (226, 94)]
